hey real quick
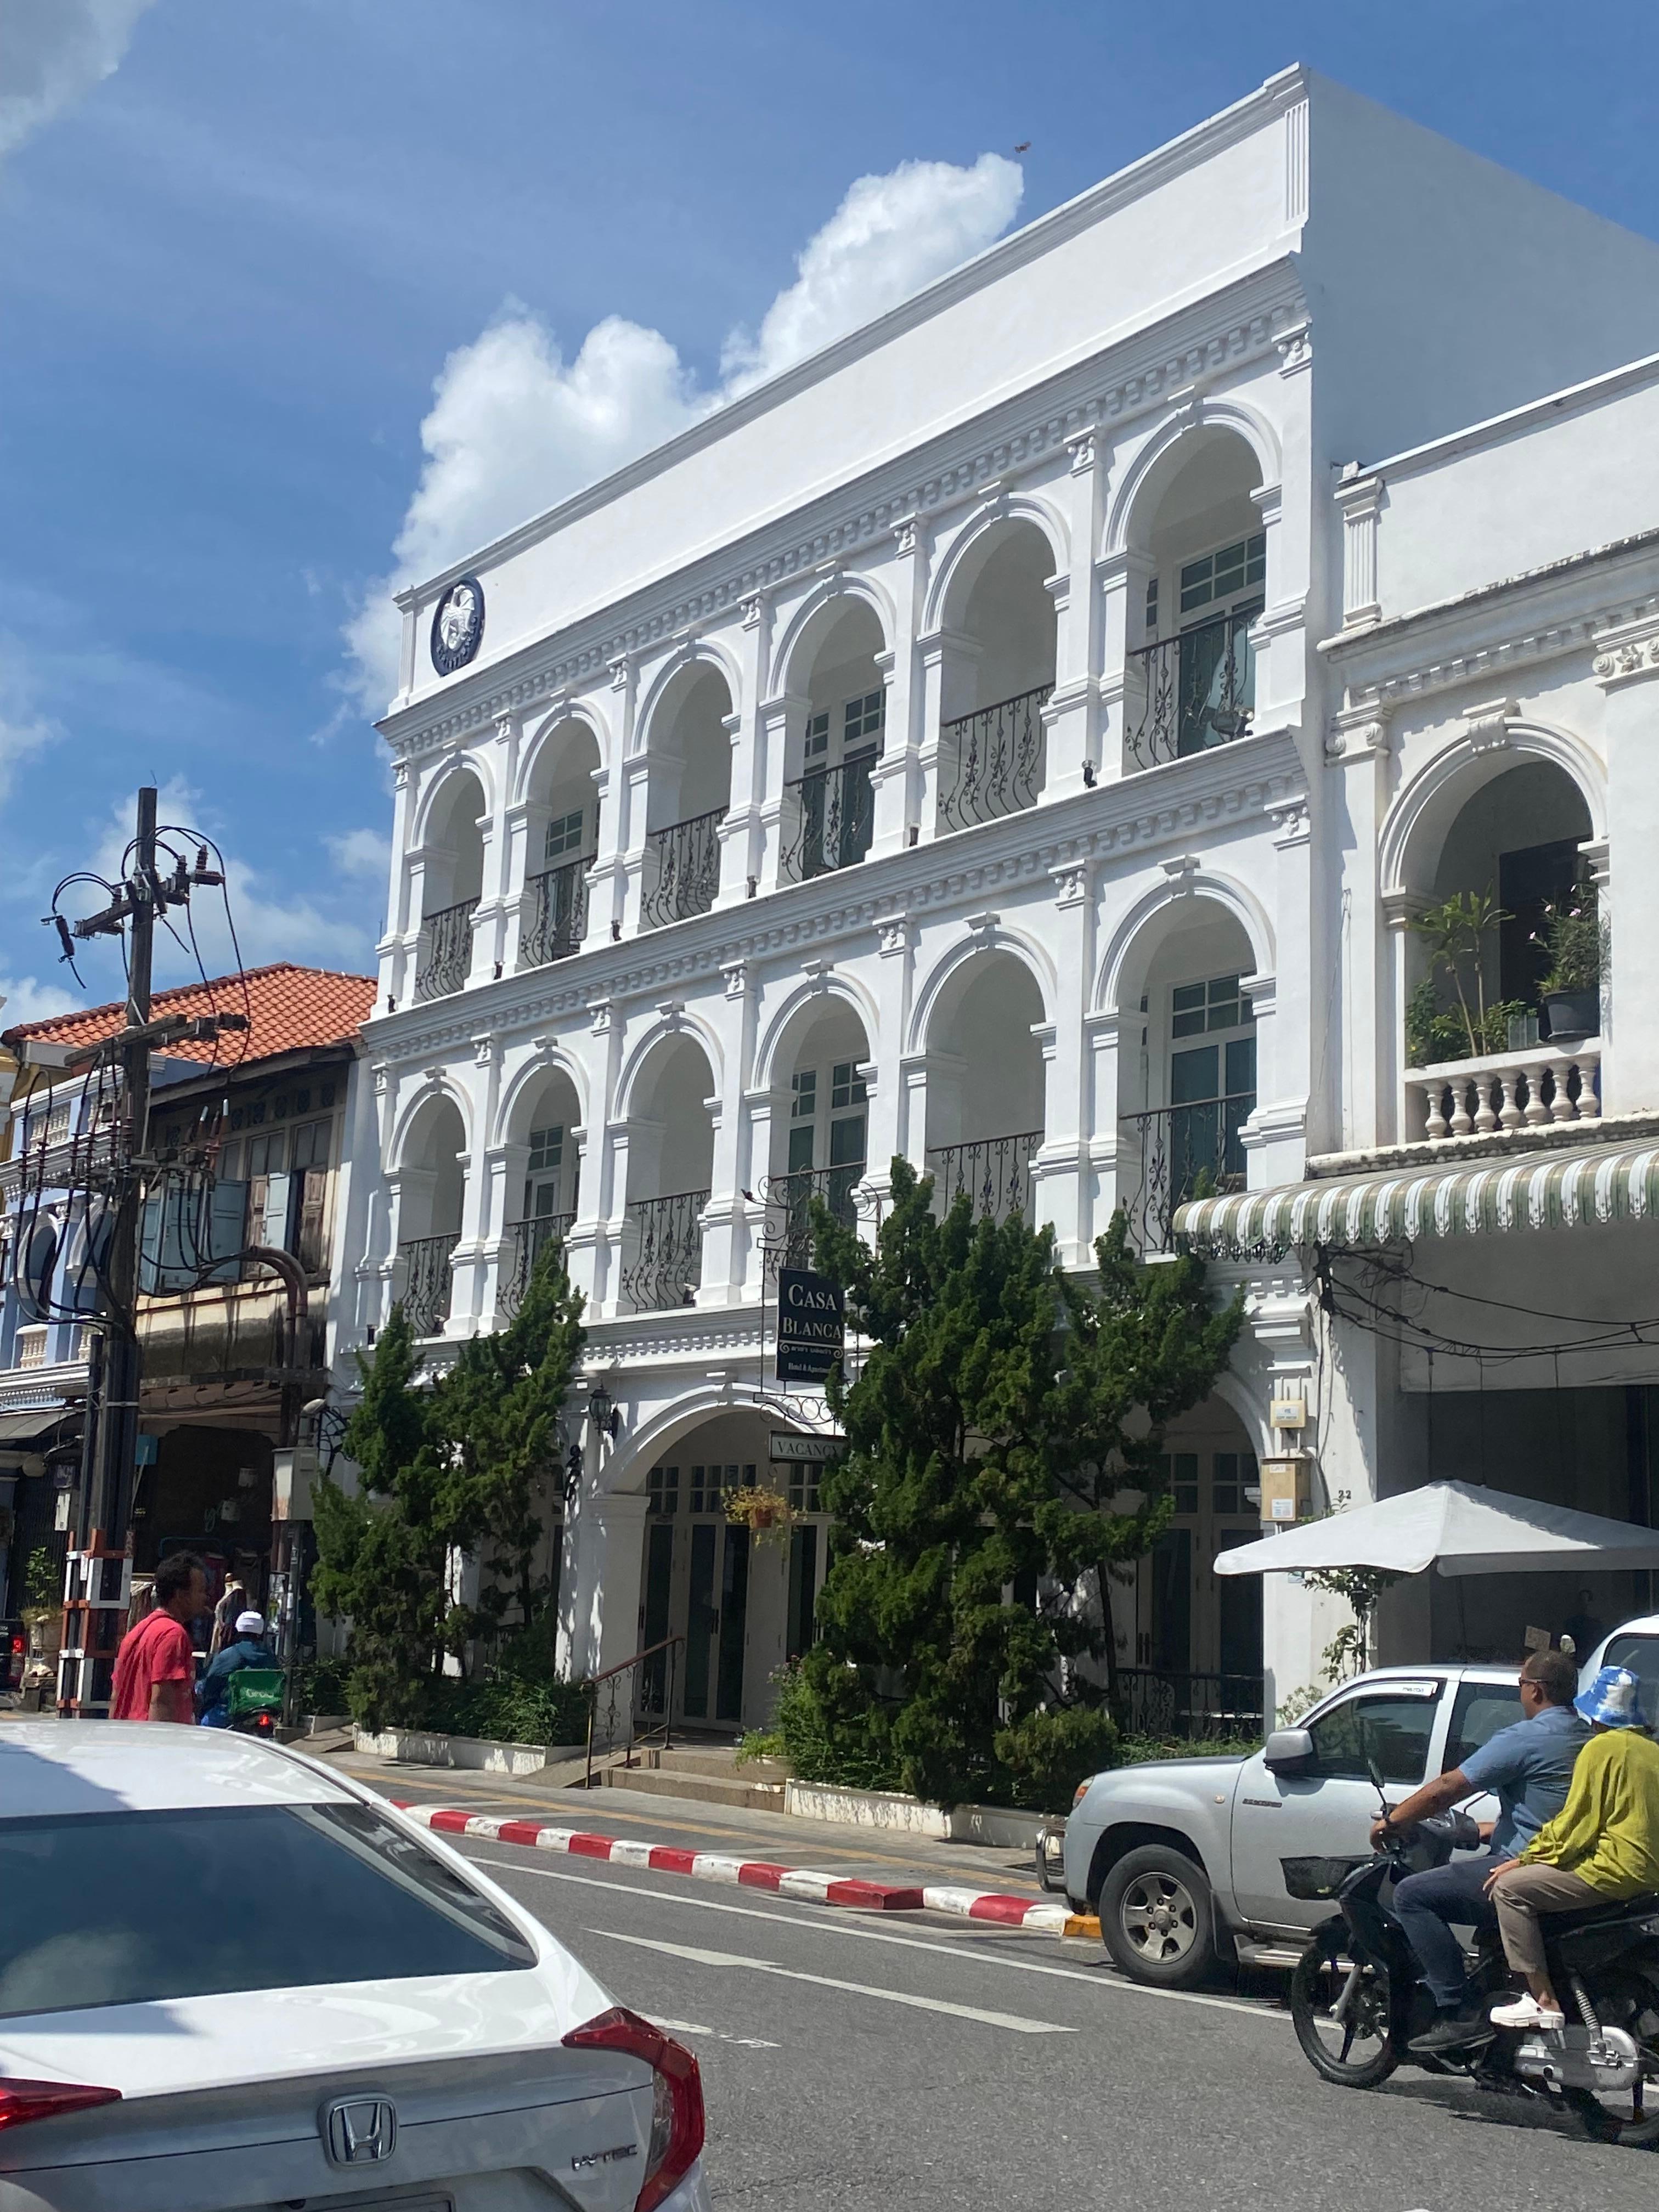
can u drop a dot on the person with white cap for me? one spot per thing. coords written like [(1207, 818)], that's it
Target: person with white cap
[(248, 1648), (1602, 1846)]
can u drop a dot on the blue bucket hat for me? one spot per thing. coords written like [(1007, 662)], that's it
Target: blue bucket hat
[(1612, 1699)]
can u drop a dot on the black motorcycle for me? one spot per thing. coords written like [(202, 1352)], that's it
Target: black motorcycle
[(1357, 1997)]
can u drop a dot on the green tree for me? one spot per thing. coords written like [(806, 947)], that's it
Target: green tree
[(459, 1463), (1002, 1413)]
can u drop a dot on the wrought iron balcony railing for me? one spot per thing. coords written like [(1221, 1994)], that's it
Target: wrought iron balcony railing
[(667, 1265), (427, 1282), (444, 959), (789, 1209), (829, 818), (1190, 692), (530, 1240), (994, 758), (556, 920), (682, 869), (1182, 1152), (1155, 1701), (994, 1173)]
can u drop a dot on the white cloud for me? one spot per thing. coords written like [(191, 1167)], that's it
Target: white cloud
[(362, 853), (53, 52), (514, 427), (23, 999)]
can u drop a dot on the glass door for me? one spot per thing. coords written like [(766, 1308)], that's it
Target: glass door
[(733, 1624)]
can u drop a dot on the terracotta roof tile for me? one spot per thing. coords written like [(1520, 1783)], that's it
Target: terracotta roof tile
[(289, 1009)]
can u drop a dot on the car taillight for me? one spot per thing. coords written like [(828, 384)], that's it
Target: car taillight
[(677, 2125), (22, 2101), (17, 1644)]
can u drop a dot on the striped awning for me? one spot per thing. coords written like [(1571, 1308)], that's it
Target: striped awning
[(1541, 1190)]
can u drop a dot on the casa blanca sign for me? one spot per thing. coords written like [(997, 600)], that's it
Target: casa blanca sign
[(811, 1325)]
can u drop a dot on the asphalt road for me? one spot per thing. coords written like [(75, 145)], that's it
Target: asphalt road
[(851, 2063)]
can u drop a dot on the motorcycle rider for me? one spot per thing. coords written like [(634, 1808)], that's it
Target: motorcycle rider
[(1530, 1766), (249, 1649), (1602, 1846)]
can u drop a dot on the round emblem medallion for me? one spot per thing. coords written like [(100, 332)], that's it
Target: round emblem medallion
[(458, 625)]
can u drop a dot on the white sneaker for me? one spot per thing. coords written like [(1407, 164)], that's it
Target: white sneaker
[(1527, 2011)]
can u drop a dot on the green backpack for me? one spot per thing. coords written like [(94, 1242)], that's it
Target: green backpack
[(254, 1690)]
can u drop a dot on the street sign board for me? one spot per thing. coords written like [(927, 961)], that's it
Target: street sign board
[(811, 1325), (806, 1451)]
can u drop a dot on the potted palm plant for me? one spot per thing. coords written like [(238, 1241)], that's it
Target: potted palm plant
[(1570, 989)]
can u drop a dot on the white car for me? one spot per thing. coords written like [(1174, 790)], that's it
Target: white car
[(231, 1978), (1636, 1645)]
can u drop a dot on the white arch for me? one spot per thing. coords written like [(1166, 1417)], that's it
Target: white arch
[(1225, 892), (553, 1061), (713, 654), (1246, 1404), (434, 1089), (1013, 506), (842, 586), (850, 989), (583, 712), (1026, 950), (693, 1406), (478, 766), (686, 1023), (1205, 413), (1438, 791)]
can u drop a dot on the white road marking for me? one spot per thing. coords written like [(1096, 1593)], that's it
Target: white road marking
[(835, 1924), (695, 2027), (1015, 2021)]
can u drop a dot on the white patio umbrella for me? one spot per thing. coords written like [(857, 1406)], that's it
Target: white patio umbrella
[(1459, 1528)]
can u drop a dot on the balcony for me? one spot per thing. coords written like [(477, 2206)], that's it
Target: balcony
[(530, 1240), (996, 760), (1541, 1085), (993, 1174), (444, 959), (682, 870), (789, 1209), (829, 818), (427, 1282), (556, 921), (1188, 693), (1182, 1152), (667, 1263)]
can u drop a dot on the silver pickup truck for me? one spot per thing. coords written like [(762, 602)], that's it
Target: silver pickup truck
[(1185, 1860)]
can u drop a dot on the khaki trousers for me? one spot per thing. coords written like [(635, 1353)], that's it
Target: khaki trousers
[(1520, 1894)]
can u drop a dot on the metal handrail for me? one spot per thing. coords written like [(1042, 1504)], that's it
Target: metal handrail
[(994, 1173), (1181, 1148), (999, 751), (530, 1239), (444, 960), (558, 919), (688, 856), (790, 1195), (428, 1285), (834, 818), (664, 1687), (1198, 687), (1184, 1702), (669, 1256)]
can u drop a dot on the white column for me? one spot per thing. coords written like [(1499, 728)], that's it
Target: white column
[(606, 1545), (889, 1105), (949, 663), (1058, 1168), (1626, 667), (780, 811), (1101, 1180), (897, 776), (743, 833), (1073, 715), (734, 831), (1276, 1137), (1125, 741), (608, 879), (391, 951), (1366, 1051), (725, 1219), (492, 939)]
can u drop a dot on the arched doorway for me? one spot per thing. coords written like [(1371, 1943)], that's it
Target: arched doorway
[(832, 747), (997, 676), (687, 791), (544, 1168), (451, 884), (670, 1154), (431, 1184), (561, 827), (984, 1085)]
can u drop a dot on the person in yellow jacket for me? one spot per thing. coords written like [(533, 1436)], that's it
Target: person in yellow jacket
[(1602, 1845)]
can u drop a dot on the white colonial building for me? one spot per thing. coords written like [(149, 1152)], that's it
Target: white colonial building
[(997, 742)]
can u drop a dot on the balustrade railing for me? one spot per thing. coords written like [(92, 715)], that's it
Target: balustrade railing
[(443, 960), (1183, 1152), (666, 1266), (632, 1703), (427, 1282), (682, 869), (994, 759), (789, 1208), (829, 818), (1191, 691), (556, 920), (530, 1239), (1527, 1090), (994, 1172)]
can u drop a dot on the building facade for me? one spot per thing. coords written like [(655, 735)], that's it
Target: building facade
[(928, 756)]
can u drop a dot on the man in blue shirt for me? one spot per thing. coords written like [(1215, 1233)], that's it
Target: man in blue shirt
[(1528, 1767), (249, 1649)]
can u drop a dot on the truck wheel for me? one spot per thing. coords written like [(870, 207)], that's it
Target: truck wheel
[(1158, 1917)]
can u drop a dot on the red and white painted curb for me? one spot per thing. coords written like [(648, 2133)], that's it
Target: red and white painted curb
[(755, 1874)]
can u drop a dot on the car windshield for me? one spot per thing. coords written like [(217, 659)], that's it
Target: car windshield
[(127, 1908)]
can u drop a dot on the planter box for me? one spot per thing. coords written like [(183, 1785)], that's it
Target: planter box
[(889, 1809), (419, 1747)]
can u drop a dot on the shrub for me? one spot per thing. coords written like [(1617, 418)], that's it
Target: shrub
[(1050, 1751)]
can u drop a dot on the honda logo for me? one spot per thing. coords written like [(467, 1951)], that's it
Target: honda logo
[(360, 2131)]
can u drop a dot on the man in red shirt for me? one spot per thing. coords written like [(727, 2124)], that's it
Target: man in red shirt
[(156, 1667)]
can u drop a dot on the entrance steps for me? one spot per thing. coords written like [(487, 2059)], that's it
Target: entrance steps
[(706, 1774)]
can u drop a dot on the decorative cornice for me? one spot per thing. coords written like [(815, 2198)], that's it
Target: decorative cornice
[(1629, 651)]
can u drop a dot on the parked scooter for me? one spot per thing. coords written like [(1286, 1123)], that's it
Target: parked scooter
[(1357, 1997)]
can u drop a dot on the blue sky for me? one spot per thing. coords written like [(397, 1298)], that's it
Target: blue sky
[(238, 243)]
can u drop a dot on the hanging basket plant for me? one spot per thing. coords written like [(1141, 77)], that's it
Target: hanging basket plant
[(767, 1514)]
